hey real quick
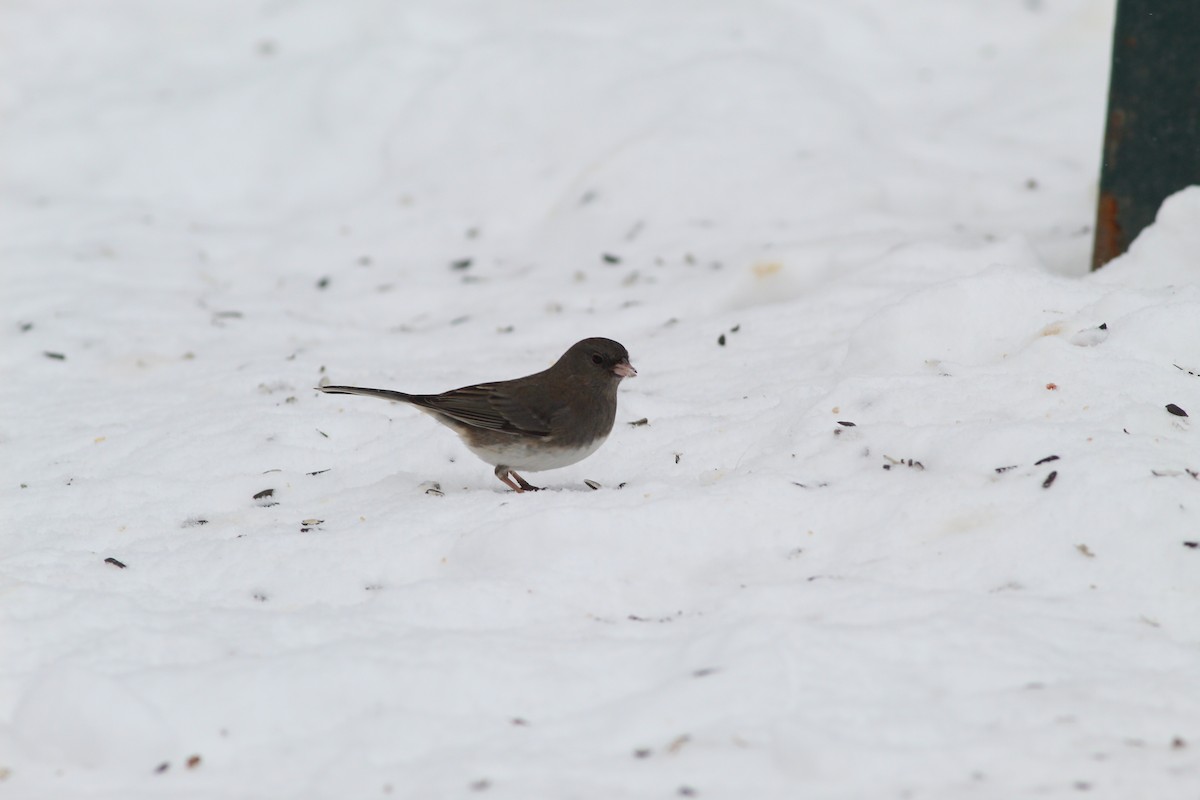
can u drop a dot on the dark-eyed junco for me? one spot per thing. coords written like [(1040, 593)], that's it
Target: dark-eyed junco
[(547, 420)]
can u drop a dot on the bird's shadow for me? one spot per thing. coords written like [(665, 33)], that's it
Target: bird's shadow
[(581, 488)]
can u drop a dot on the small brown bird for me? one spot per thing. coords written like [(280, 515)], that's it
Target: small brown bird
[(547, 420)]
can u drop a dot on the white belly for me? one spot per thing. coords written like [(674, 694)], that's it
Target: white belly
[(523, 458)]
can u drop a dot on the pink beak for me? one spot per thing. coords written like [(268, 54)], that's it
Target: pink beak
[(625, 370)]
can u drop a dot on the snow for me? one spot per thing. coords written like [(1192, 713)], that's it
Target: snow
[(814, 214)]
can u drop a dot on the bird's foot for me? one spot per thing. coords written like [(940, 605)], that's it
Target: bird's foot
[(526, 486), (507, 476)]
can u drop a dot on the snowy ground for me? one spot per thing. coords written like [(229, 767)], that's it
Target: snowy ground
[(813, 214)]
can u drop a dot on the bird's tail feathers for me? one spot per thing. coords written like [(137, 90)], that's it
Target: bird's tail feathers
[(385, 394)]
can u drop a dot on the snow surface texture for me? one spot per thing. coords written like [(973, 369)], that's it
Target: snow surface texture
[(795, 215)]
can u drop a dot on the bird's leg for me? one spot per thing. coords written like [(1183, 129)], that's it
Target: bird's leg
[(520, 485), (502, 474), (526, 486)]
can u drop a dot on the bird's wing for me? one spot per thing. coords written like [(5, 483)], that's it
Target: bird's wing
[(488, 405)]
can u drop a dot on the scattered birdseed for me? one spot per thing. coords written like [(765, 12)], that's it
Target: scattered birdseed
[(902, 462), (677, 745)]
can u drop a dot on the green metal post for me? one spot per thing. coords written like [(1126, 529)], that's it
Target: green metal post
[(1152, 140)]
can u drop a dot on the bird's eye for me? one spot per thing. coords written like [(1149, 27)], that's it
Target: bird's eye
[(597, 358)]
